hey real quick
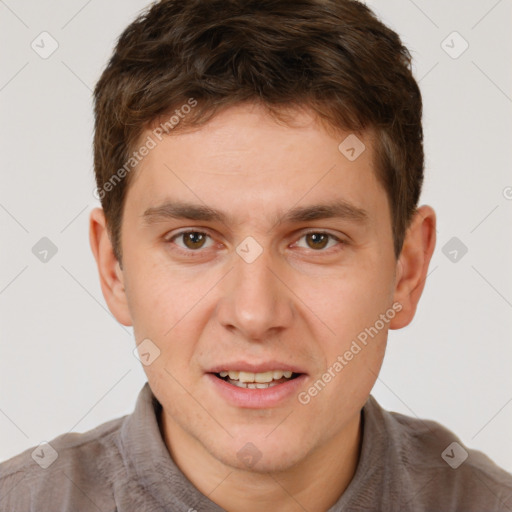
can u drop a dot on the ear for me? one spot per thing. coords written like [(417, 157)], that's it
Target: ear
[(412, 265), (111, 275)]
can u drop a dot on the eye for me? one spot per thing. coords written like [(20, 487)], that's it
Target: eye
[(192, 240), (319, 240)]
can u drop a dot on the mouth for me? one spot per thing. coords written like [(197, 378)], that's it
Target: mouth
[(262, 380), (252, 385)]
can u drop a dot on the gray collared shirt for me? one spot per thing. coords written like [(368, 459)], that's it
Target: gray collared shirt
[(123, 465)]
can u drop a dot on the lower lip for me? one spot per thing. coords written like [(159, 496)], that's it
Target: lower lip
[(257, 398)]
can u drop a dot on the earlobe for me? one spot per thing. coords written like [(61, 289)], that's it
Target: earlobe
[(110, 273), (412, 265)]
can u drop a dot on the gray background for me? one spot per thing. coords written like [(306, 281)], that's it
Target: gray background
[(66, 364)]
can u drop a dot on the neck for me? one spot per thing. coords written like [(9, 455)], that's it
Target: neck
[(314, 484)]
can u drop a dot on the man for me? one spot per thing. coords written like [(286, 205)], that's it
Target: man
[(259, 165)]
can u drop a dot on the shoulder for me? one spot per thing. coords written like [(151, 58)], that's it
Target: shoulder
[(441, 471), (68, 471)]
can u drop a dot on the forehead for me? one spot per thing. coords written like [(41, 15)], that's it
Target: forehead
[(244, 163)]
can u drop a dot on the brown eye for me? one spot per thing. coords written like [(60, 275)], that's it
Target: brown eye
[(320, 241), (193, 239), (317, 240), (190, 241)]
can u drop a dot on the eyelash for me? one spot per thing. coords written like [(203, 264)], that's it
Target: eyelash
[(194, 254)]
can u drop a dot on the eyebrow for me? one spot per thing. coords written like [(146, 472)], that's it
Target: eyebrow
[(190, 211)]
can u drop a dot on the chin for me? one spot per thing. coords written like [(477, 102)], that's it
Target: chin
[(261, 455)]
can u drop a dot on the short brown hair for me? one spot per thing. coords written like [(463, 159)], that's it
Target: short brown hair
[(331, 56)]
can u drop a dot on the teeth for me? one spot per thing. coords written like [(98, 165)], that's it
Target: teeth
[(245, 377), (259, 378), (253, 385), (264, 377)]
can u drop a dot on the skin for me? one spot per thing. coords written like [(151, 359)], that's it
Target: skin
[(301, 301)]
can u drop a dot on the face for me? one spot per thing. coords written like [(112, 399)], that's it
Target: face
[(253, 246)]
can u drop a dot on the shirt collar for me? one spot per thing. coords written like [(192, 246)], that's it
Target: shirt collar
[(148, 460)]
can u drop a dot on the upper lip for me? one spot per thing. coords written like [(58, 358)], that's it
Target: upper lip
[(244, 366)]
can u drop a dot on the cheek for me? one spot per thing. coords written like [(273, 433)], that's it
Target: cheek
[(354, 344), (159, 296), (357, 313), (350, 299), (170, 307), (151, 306)]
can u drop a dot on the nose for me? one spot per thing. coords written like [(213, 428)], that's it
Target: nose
[(255, 301)]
